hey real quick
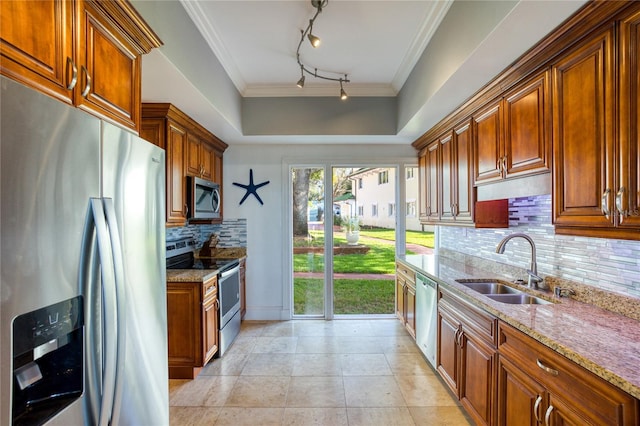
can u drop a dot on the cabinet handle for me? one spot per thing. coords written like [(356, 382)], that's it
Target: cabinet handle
[(536, 408), (547, 415), (619, 196), (545, 368), (87, 85), (216, 303), (74, 75), (604, 204), (504, 165), (185, 210)]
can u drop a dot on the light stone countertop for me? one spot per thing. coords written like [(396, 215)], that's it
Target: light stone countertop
[(601, 341)]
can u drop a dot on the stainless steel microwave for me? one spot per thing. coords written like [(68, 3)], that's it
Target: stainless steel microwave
[(203, 198)]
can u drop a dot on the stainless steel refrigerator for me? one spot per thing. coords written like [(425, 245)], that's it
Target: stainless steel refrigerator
[(83, 336)]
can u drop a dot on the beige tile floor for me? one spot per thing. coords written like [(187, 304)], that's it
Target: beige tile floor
[(315, 372)]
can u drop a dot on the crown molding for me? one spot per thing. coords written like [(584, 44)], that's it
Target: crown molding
[(318, 90)]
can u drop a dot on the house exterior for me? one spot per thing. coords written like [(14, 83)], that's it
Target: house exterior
[(374, 200)]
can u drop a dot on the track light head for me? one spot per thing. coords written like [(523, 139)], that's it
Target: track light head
[(300, 83), (315, 41), (343, 94)]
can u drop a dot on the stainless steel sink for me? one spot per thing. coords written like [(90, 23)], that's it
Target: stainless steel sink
[(518, 299), (490, 287), (502, 293)]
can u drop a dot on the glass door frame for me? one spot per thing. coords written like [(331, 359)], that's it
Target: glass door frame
[(328, 166)]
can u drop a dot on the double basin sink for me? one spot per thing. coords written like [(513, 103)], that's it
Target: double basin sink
[(502, 293)]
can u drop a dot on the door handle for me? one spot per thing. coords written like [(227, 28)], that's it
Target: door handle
[(547, 415), (604, 203), (619, 203), (74, 75), (545, 368), (536, 408), (87, 85)]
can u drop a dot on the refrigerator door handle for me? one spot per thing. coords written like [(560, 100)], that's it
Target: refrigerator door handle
[(101, 348), (118, 262)]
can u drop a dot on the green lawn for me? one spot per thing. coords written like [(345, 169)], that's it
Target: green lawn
[(350, 296)]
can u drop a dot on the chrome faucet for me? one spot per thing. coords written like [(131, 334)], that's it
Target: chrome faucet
[(534, 279)]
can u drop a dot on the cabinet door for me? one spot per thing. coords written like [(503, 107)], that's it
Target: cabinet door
[(527, 121), (464, 199), (448, 354), (520, 399), (433, 182), (488, 148), (477, 379), (628, 191), (410, 309), (207, 159), (583, 105), (423, 192), (447, 176), (109, 69), (183, 324), (176, 184), (210, 328), (37, 45), (559, 412), (192, 161), (400, 297)]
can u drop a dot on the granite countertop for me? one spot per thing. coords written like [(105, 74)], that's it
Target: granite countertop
[(201, 275), (603, 342)]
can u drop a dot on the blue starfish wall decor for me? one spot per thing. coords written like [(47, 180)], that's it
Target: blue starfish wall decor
[(251, 188)]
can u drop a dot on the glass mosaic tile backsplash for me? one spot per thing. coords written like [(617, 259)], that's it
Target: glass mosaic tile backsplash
[(232, 233), (612, 265)]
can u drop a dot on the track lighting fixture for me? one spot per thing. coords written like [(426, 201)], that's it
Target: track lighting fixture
[(315, 42)]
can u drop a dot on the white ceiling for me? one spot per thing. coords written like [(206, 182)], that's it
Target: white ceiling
[(376, 43)]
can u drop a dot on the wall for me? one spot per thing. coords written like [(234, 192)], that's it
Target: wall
[(268, 234), (612, 265)]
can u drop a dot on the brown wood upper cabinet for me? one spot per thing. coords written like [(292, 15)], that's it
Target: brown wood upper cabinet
[(596, 144), (85, 53), (447, 166), (191, 151), (512, 133)]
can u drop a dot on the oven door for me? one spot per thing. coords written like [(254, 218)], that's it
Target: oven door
[(229, 294)]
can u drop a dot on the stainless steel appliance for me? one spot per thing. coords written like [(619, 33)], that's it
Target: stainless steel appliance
[(181, 255), (426, 317), (203, 198), (83, 268)]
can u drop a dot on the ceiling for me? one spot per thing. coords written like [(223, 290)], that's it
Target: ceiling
[(376, 43)]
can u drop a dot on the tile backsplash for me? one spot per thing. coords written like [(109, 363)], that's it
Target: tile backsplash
[(232, 233), (611, 265)]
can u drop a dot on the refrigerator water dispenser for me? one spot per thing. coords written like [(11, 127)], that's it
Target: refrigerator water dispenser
[(47, 361)]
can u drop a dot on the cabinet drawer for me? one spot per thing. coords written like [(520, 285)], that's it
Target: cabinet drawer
[(209, 289), (408, 274), (479, 323), (603, 403)]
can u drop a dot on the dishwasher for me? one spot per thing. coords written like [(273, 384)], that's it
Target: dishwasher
[(426, 317)]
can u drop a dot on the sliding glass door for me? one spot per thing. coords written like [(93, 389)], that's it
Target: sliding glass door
[(343, 227)]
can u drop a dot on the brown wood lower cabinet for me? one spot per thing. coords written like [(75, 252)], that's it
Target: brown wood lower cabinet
[(192, 322), (466, 355), (538, 386), (406, 297)]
